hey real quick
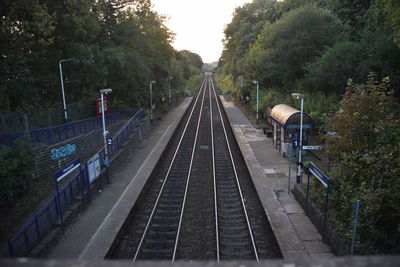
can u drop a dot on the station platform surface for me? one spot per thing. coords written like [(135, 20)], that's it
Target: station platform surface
[(297, 237), (90, 234)]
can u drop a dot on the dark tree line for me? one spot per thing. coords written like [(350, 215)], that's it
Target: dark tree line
[(313, 45), (118, 44)]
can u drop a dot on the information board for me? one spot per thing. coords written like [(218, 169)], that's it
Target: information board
[(93, 166)]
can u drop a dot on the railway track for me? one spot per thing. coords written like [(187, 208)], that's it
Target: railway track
[(194, 207)]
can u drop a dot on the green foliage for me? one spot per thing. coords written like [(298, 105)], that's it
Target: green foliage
[(121, 44), (368, 168), (283, 48), (392, 8), (15, 166), (242, 32), (315, 47), (342, 61), (351, 12)]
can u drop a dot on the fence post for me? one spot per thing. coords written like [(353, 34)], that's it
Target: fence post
[(326, 206), (10, 249), (356, 209), (308, 191), (37, 226), (26, 124)]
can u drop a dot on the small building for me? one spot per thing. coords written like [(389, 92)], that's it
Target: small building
[(285, 124)]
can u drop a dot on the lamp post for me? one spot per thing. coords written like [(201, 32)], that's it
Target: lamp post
[(299, 96), (256, 82), (105, 132), (62, 86), (169, 89), (151, 100)]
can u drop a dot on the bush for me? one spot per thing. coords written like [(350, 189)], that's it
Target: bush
[(368, 164), (16, 163)]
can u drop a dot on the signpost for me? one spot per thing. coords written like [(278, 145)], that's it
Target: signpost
[(58, 176), (325, 181), (98, 105), (290, 166)]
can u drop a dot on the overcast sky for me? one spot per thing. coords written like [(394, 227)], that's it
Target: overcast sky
[(198, 24)]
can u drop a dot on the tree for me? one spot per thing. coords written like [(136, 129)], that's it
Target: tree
[(243, 30), (26, 30), (329, 72), (285, 47), (351, 12), (392, 8)]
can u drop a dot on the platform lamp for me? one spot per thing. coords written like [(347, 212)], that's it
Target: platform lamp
[(151, 100), (256, 82), (62, 86), (169, 88), (299, 96), (105, 132)]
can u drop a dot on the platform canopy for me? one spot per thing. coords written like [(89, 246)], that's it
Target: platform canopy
[(290, 117)]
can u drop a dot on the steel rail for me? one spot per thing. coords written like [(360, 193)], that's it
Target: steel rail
[(214, 176), (167, 174), (189, 173), (236, 176)]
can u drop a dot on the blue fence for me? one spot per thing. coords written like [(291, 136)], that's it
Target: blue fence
[(66, 131), (78, 187)]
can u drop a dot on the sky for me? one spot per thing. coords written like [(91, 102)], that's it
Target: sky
[(198, 24)]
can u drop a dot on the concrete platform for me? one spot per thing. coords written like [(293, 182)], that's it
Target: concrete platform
[(93, 231), (297, 237)]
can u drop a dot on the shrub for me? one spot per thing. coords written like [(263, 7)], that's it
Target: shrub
[(15, 165), (368, 164)]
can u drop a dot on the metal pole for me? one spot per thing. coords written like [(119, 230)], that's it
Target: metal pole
[(62, 90), (300, 143), (355, 215), (233, 87), (326, 207), (290, 167), (257, 105), (106, 163), (169, 89), (151, 103), (308, 191)]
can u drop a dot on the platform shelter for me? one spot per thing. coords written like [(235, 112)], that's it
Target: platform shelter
[(285, 124)]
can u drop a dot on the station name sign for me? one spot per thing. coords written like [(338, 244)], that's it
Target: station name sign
[(67, 170), (319, 174)]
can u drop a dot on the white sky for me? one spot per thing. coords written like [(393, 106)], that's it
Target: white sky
[(198, 24)]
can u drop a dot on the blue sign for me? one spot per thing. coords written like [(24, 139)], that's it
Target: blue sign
[(67, 170), (295, 126), (109, 141), (296, 143), (319, 174)]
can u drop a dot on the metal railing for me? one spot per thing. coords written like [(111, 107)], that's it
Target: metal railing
[(56, 134), (76, 188)]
